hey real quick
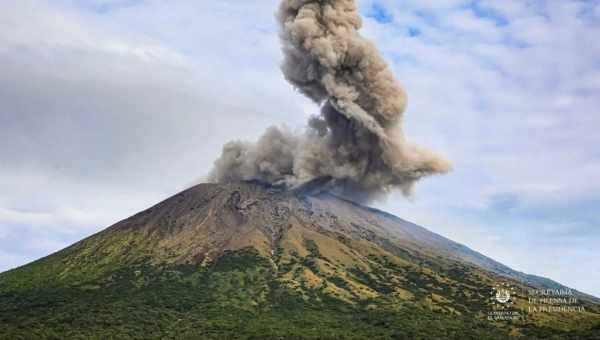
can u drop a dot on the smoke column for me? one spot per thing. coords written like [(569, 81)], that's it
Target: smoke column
[(355, 147)]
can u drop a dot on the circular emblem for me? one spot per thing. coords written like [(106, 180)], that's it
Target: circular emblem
[(503, 295)]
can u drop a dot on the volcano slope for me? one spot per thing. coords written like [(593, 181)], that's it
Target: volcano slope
[(249, 261)]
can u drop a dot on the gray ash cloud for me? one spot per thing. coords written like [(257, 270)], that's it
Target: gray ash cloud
[(356, 142)]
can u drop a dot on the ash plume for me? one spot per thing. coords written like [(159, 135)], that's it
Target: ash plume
[(355, 146)]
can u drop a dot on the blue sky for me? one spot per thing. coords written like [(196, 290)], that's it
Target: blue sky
[(108, 106)]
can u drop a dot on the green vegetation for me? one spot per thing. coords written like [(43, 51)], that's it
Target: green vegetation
[(237, 297)]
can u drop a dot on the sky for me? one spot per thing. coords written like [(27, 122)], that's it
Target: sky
[(109, 106)]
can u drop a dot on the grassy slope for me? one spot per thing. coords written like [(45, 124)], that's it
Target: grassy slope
[(235, 298), (312, 288)]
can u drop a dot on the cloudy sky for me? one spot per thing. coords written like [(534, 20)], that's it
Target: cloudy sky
[(108, 106)]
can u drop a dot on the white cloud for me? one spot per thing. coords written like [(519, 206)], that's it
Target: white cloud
[(104, 115), (513, 106)]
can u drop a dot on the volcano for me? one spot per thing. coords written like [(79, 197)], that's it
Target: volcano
[(248, 260)]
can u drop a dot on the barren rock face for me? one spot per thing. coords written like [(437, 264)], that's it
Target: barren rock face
[(210, 218), (200, 223)]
